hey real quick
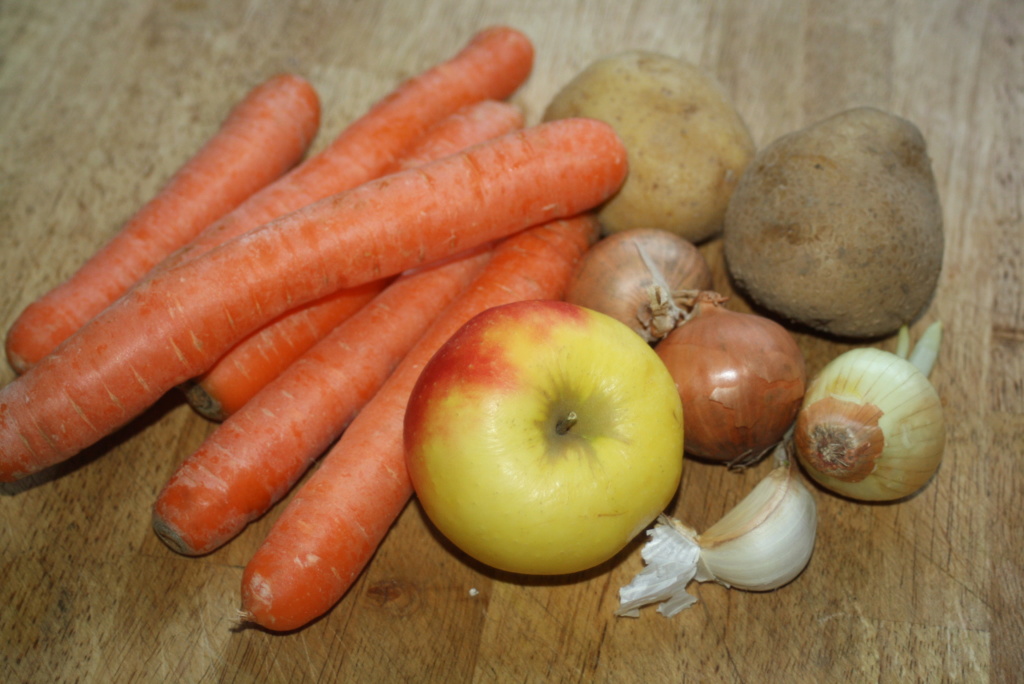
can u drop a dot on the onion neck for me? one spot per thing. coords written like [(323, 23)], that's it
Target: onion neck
[(668, 308)]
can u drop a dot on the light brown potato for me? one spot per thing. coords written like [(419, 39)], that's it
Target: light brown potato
[(687, 144), (838, 226)]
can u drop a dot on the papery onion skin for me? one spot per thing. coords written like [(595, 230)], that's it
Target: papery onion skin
[(613, 277), (871, 427), (741, 378)]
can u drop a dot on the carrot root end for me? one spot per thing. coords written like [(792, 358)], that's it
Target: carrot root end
[(202, 402), (171, 537)]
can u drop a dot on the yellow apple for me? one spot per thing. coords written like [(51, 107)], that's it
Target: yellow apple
[(543, 437)]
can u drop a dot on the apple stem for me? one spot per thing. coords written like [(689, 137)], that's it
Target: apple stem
[(565, 424)]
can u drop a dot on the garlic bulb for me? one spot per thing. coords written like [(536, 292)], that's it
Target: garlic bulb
[(761, 544), (871, 426)]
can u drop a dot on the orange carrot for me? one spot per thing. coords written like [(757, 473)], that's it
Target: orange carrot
[(472, 124), (259, 358), (173, 326), (255, 361), (494, 63), (251, 461), (262, 137), (338, 517)]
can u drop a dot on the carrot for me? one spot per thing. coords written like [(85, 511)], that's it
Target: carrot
[(470, 125), (338, 517), (262, 137), (259, 358), (251, 461), (173, 326), (494, 63), (255, 361)]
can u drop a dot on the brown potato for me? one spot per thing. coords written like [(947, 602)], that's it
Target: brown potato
[(687, 145), (838, 226)]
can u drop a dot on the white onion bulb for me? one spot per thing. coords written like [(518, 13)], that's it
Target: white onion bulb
[(871, 426)]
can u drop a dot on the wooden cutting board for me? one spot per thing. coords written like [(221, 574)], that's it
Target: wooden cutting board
[(103, 100)]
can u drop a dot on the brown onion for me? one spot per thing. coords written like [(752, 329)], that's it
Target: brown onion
[(636, 276), (741, 377)]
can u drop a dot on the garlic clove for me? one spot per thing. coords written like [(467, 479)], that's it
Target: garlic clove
[(766, 540), (762, 543)]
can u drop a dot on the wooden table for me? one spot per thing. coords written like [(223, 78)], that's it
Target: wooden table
[(102, 100)]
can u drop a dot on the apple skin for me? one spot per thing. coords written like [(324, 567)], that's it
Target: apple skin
[(497, 468)]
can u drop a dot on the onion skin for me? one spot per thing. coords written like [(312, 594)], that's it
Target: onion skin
[(741, 377), (614, 279)]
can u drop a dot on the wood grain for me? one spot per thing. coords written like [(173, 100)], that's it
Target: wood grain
[(103, 100)]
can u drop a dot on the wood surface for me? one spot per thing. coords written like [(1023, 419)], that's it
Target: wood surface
[(102, 100)]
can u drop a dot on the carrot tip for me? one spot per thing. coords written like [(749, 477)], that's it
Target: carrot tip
[(171, 537), (17, 363), (202, 401)]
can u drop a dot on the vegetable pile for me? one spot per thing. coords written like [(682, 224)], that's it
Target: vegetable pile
[(836, 230), (258, 276)]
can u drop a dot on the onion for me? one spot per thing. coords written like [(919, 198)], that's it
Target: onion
[(741, 378), (871, 426), (638, 276)]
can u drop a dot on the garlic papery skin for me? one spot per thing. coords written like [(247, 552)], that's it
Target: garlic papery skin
[(766, 540), (761, 544), (871, 426), (671, 555)]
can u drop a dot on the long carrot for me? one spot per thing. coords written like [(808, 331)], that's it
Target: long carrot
[(258, 359), (470, 125), (338, 517), (175, 325), (251, 461), (494, 63), (262, 137)]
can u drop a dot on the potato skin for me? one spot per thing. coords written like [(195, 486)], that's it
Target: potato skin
[(687, 144), (838, 226)]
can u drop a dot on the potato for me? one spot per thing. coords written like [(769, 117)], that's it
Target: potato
[(686, 143), (838, 226)]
